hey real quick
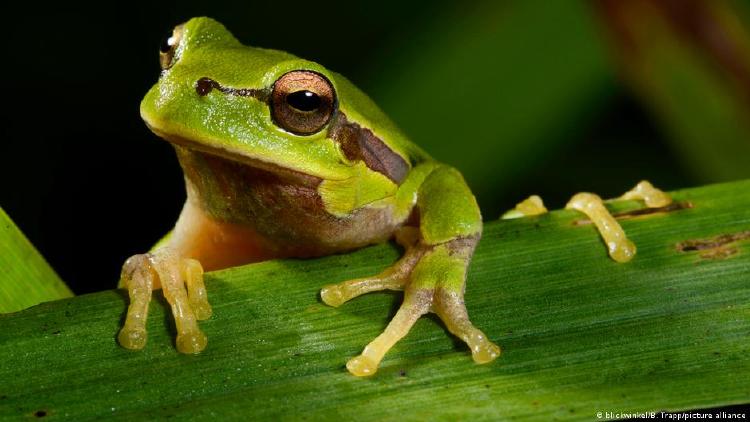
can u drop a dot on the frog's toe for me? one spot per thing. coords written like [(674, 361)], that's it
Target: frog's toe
[(192, 273), (450, 306), (191, 342), (362, 366), (651, 196), (336, 294), (182, 284), (332, 295), (132, 338), (138, 278), (181, 281), (202, 311), (482, 350)]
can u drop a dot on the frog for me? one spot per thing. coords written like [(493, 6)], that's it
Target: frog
[(283, 158)]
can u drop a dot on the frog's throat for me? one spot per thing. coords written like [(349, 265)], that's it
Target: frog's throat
[(290, 174)]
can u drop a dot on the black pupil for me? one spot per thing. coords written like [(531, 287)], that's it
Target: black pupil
[(304, 100)]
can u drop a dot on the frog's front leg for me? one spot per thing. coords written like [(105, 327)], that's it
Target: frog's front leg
[(393, 278), (176, 266), (432, 271), (165, 267)]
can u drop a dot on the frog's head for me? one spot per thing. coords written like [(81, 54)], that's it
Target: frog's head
[(267, 108)]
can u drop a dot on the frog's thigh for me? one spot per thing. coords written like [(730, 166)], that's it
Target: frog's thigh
[(447, 208)]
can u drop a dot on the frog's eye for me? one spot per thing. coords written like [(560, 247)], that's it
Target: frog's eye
[(302, 102), (169, 47)]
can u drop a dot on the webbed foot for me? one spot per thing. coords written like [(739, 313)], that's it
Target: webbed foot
[(141, 274)]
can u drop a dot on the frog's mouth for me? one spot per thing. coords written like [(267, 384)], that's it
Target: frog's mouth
[(289, 174)]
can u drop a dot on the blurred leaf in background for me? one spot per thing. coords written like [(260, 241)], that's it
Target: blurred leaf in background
[(494, 88), (527, 96), (689, 63)]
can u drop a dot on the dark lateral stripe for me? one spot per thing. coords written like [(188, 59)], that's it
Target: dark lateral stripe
[(204, 86), (360, 144)]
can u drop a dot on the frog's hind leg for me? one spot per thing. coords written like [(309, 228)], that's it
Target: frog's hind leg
[(436, 285), (450, 306), (432, 272), (450, 263), (620, 248)]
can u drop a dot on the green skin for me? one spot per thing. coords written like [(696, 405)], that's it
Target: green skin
[(279, 194)]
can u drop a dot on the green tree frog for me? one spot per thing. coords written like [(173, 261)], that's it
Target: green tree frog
[(284, 158)]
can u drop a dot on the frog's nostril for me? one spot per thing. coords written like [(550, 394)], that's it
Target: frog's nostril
[(204, 86)]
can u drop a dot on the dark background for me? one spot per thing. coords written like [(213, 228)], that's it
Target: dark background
[(523, 97)]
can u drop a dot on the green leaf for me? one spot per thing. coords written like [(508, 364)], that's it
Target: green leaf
[(25, 277), (580, 333)]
